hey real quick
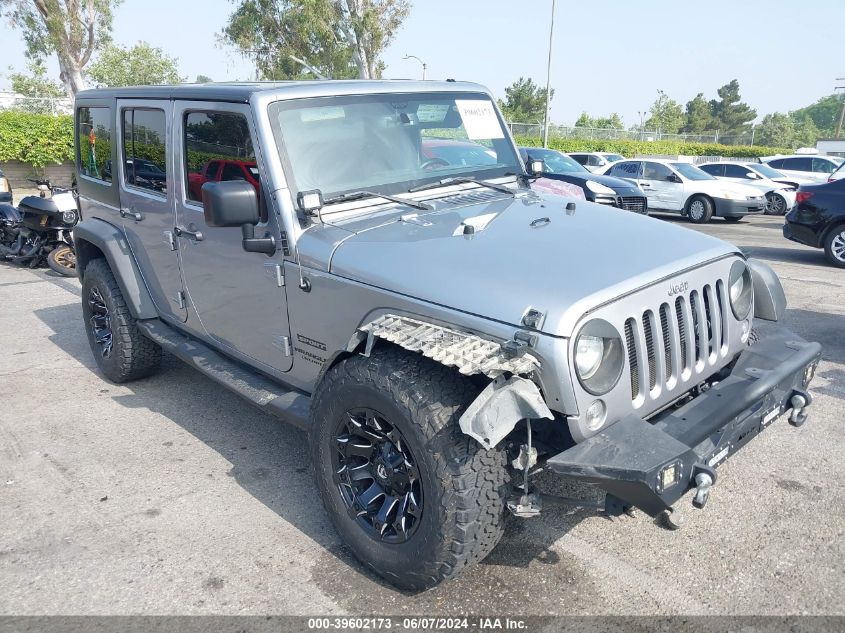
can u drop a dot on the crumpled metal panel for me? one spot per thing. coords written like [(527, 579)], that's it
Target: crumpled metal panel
[(497, 409), (470, 354)]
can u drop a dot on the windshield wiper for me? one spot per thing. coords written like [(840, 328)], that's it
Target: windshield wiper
[(460, 180), (361, 195)]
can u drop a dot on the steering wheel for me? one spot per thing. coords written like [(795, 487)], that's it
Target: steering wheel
[(432, 163)]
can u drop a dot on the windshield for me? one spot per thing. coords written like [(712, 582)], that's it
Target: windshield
[(556, 163), (613, 158), (690, 172), (765, 170), (390, 143)]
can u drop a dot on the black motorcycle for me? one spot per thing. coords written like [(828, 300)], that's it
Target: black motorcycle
[(38, 231)]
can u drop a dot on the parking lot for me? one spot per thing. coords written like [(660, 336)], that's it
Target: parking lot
[(170, 495)]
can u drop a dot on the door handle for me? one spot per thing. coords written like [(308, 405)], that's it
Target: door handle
[(131, 214), (194, 235)]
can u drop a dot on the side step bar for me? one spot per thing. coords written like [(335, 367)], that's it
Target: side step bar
[(291, 406)]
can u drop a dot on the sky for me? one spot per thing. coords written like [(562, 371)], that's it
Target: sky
[(608, 55)]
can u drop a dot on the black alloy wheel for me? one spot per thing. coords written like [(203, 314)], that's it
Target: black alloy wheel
[(100, 322), (377, 476)]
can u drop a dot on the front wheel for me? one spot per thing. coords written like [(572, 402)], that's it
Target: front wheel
[(775, 204), (700, 209), (414, 498), (834, 246), (62, 260)]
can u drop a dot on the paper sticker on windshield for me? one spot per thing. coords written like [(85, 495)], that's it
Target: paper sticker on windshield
[(324, 113), (432, 112), (480, 120)]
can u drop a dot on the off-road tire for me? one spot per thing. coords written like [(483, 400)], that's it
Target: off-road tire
[(706, 213), (464, 486), (835, 234), (133, 355)]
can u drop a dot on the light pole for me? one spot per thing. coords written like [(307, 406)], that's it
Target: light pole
[(642, 125), (660, 109), (549, 79), (424, 65)]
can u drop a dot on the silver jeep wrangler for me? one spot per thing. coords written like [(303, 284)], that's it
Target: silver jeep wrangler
[(368, 261)]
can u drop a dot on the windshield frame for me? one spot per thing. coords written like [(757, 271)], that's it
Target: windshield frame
[(514, 170)]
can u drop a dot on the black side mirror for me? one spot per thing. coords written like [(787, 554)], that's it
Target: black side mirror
[(535, 167), (235, 203), (674, 178)]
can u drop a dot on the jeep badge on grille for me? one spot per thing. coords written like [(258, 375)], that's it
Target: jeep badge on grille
[(676, 289)]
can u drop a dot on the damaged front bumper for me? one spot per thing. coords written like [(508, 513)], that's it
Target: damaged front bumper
[(651, 464)]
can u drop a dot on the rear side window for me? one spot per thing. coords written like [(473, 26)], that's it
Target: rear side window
[(823, 166), (212, 136), (656, 171), (580, 158), (713, 170), (737, 171), (797, 164), (94, 129), (143, 149), (625, 170)]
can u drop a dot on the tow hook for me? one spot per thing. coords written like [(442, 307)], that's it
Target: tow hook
[(526, 505), (799, 402), (703, 483)]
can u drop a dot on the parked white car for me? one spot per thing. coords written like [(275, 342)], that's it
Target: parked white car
[(684, 188), (779, 198), (816, 168), (596, 162)]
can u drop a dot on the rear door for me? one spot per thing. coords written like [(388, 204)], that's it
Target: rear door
[(146, 199), (239, 297)]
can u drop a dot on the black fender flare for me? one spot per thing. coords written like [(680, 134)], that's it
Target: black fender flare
[(94, 238)]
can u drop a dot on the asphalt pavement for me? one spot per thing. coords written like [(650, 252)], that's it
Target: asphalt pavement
[(171, 496)]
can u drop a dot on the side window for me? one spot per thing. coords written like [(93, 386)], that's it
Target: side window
[(144, 162), (93, 129), (713, 170), (823, 166), (216, 136), (212, 169), (625, 170), (580, 158), (776, 164), (737, 171), (798, 164), (656, 171), (593, 161)]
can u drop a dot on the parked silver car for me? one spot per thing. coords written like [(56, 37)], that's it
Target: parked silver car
[(685, 189), (816, 168), (441, 331), (780, 198)]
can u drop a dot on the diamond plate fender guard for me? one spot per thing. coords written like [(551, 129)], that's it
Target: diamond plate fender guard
[(503, 403)]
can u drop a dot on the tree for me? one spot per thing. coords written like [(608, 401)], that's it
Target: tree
[(731, 115), (824, 113), (614, 121), (292, 39), (666, 115), (525, 102), (203, 79), (141, 65), (775, 130), (35, 83), (71, 29), (698, 115), (806, 132)]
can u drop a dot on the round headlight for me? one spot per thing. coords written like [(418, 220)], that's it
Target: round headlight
[(598, 356), (69, 217), (597, 187), (740, 290)]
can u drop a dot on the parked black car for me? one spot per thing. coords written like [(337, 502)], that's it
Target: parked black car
[(597, 188), (818, 219)]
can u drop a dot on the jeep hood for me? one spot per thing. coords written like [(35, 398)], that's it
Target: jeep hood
[(521, 252)]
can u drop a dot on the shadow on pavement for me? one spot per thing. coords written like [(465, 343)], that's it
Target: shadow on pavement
[(788, 255), (270, 461)]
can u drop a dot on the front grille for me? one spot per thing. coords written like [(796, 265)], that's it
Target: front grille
[(632, 203), (681, 341)]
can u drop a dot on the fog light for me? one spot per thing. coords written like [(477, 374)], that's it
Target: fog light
[(669, 476), (595, 415)]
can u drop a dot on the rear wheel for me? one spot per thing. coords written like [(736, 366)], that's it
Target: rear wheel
[(834, 246), (62, 260), (121, 351), (414, 498), (699, 209)]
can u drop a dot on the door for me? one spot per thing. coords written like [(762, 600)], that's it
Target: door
[(239, 297), (146, 199), (662, 190)]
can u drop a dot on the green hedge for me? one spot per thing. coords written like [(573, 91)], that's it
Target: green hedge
[(671, 148), (37, 139)]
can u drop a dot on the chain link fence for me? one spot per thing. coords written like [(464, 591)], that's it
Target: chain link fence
[(593, 133), (39, 105)]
